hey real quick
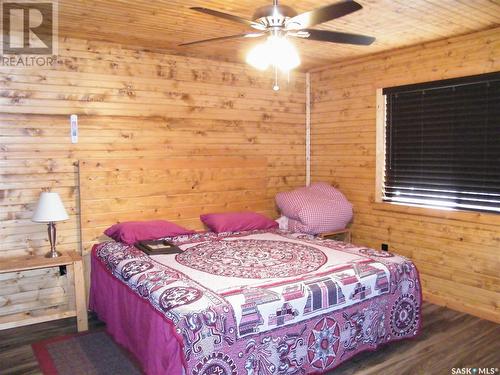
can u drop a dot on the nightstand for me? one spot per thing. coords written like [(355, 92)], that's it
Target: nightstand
[(74, 264), (339, 235)]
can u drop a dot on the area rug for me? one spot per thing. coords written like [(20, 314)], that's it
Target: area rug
[(88, 353)]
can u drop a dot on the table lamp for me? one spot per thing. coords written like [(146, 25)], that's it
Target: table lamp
[(49, 210)]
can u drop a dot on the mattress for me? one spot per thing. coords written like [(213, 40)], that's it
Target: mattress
[(260, 302)]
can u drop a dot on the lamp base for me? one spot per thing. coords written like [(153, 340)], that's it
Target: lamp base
[(51, 229), (53, 254)]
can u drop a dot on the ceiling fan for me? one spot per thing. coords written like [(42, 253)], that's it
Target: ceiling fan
[(279, 22), (282, 19)]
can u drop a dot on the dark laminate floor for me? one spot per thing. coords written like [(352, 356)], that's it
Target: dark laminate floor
[(449, 339)]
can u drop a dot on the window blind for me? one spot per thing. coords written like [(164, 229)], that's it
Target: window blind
[(442, 143)]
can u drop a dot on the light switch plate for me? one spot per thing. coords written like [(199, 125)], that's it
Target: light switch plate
[(73, 119)]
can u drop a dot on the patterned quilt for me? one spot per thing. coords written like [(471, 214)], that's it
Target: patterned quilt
[(272, 302)]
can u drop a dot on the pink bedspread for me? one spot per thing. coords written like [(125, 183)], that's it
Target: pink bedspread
[(262, 302)]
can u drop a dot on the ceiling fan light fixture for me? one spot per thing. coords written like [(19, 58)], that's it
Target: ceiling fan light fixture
[(283, 53), (258, 57), (277, 51)]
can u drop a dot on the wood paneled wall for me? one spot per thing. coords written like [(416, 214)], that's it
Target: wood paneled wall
[(131, 104), (180, 189), (458, 255)]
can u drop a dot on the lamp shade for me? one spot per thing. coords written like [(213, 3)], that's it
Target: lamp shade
[(50, 208)]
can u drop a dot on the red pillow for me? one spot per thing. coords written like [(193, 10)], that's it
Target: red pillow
[(237, 222), (130, 232)]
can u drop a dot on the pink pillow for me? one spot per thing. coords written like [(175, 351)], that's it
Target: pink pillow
[(327, 190), (130, 232), (237, 222), (290, 202), (323, 215), (315, 209)]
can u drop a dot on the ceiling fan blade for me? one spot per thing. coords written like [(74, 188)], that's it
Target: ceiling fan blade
[(248, 35), (230, 17), (334, 37), (320, 15)]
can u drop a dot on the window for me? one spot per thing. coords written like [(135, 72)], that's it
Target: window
[(441, 144)]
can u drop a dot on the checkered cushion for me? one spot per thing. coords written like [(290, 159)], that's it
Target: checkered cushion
[(315, 209), (290, 202)]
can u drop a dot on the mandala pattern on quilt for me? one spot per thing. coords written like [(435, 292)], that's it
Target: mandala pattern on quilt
[(405, 315), (323, 343), (255, 259)]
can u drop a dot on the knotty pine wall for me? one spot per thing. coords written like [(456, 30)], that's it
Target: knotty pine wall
[(459, 260), (131, 104)]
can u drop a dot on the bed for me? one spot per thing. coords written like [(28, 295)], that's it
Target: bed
[(249, 303), (258, 302)]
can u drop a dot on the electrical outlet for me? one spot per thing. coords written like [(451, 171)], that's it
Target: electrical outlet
[(384, 247)]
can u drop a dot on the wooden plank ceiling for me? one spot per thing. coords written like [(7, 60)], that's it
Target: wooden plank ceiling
[(163, 24)]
